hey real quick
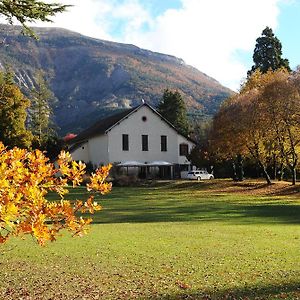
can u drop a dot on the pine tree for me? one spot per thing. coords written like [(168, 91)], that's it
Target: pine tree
[(41, 112), (28, 11), (13, 114), (172, 107), (268, 54)]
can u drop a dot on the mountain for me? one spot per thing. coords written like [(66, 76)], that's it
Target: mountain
[(92, 78)]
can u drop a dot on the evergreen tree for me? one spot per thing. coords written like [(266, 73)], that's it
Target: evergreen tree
[(41, 112), (28, 11), (267, 53), (13, 114), (172, 107)]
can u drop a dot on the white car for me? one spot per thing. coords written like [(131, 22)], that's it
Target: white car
[(199, 175)]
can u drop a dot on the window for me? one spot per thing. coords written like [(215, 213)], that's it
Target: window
[(125, 142), (145, 143), (163, 143), (183, 149)]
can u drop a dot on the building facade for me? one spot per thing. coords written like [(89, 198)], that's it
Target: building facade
[(138, 140)]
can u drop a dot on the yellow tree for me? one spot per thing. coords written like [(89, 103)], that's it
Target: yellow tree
[(263, 120), (225, 140), (252, 129), (25, 180), (239, 129), (281, 103)]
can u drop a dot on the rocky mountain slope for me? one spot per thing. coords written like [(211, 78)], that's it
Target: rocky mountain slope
[(92, 78)]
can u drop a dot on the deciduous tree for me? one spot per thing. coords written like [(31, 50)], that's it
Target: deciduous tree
[(280, 100), (263, 121), (26, 178)]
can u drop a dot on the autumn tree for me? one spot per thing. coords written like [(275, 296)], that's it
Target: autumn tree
[(268, 53), (41, 112), (13, 113), (25, 180), (263, 120), (225, 142), (29, 11), (172, 108), (239, 130), (280, 100)]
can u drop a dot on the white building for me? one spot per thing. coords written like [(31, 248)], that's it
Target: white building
[(138, 140)]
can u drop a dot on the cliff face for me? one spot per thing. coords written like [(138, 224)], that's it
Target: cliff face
[(91, 77)]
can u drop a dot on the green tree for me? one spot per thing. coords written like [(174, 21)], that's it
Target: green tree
[(29, 11), (268, 54), (13, 113), (172, 108), (41, 112)]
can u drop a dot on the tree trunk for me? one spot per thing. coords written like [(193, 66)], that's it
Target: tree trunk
[(274, 166), (281, 173), (266, 175), (294, 175), (234, 176), (240, 168)]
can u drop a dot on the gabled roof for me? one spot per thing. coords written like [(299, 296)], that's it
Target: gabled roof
[(105, 125), (101, 126)]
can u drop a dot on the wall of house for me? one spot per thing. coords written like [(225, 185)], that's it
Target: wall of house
[(81, 153), (98, 150), (154, 127)]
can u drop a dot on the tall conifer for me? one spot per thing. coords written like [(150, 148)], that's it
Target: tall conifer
[(268, 53), (172, 107)]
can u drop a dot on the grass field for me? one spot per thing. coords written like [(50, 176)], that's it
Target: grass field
[(174, 240)]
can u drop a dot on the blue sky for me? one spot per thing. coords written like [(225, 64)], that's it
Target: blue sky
[(288, 31), (215, 36)]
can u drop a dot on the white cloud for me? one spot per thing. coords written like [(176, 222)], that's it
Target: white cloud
[(88, 17), (205, 33)]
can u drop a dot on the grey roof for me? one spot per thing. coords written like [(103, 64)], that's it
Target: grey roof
[(101, 126)]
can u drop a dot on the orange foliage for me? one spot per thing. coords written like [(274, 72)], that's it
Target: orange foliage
[(25, 180)]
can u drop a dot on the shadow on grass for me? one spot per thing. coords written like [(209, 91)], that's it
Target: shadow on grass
[(220, 211), (168, 204), (282, 291), (225, 185)]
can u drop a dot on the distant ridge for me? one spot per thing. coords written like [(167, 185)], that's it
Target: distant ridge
[(92, 78)]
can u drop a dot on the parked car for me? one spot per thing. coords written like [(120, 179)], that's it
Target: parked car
[(199, 175)]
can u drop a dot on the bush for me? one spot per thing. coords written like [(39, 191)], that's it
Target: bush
[(126, 180)]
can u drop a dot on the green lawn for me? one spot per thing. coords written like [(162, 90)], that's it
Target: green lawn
[(175, 241)]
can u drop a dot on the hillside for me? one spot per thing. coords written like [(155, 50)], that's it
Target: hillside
[(92, 78)]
